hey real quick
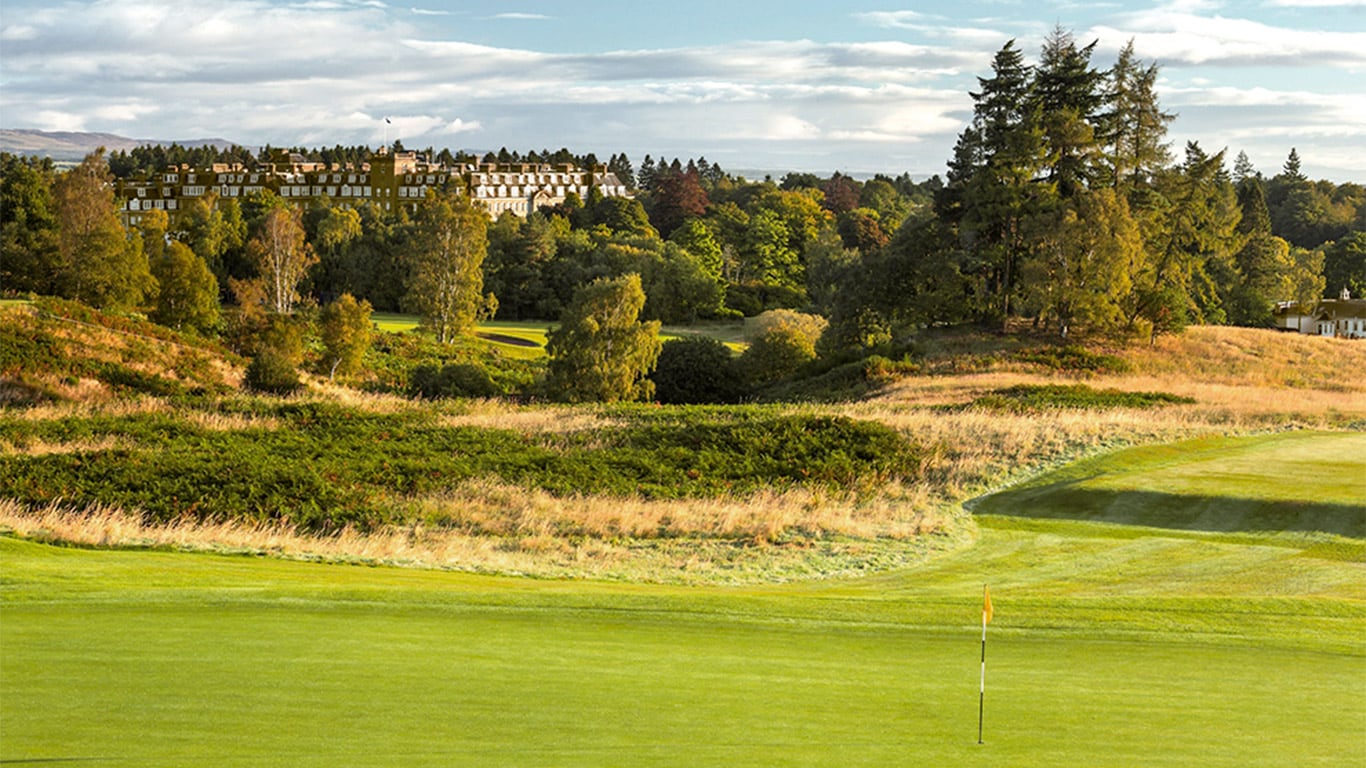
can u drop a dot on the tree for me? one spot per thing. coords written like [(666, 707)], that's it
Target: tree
[(446, 254), (1135, 128), (281, 257), (1344, 265), (678, 197), (214, 229), (841, 194), (28, 225), (1195, 228), (601, 351), (99, 263), (346, 332), (1081, 274), (187, 291), (275, 368), (697, 369), (1069, 95), (781, 342), (1001, 190)]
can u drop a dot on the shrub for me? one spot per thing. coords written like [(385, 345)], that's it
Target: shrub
[(782, 341), (1073, 358), (454, 380), (272, 371), (1029, 397), (697, 370)]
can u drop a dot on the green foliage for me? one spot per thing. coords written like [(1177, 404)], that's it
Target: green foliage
[(346, 334), (98, 263), (446, 256), (28, 225), (1025, 398), (697, 369), (187, 292), (601, 351), (453, 380), (1072, 358), (275, 368), (781, 342), (360, 465)]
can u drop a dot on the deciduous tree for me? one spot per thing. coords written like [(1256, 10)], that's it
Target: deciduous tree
[(282, 257), (99, 262), (446, 255), (346, 332), (601, 351)]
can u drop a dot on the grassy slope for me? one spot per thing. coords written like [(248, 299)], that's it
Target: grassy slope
[(1302, 481)]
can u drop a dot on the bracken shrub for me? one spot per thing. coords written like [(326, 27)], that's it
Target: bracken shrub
[(1073, 358), (454, 380), (272, 372), (1030, 397)]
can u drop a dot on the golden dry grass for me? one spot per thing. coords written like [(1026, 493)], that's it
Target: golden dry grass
[(1243, 382)]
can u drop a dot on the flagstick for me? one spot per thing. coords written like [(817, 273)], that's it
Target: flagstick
[(982, 690)]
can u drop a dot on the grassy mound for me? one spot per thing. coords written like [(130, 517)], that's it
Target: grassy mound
[(1283, 482), (63, 350)]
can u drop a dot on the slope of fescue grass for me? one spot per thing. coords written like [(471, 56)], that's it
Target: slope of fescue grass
[(61, 350)]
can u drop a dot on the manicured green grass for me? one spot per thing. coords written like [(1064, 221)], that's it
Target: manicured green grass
[(1095, 657), (1300, 481)]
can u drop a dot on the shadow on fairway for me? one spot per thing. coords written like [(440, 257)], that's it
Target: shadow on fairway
[(1223, 514)]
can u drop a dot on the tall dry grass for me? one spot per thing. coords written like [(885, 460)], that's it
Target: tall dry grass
[(424, 546)]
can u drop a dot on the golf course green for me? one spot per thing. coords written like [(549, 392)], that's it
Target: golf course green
[(1111, 644)]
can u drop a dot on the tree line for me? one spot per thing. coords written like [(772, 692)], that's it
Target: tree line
[(1063, 207)]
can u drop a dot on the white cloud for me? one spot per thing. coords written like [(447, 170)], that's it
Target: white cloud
[(522, 16), (1316, 3), (1175, 36)]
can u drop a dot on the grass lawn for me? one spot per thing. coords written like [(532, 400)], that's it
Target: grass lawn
[(1182, 641), (162, 658), (523, 339), (1297, 481)]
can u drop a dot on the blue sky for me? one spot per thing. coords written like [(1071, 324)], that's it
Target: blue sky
[(794, 85)]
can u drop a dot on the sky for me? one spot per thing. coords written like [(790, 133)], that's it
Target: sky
[(759, 85)]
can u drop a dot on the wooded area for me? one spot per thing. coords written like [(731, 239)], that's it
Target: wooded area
[(1063, 207)]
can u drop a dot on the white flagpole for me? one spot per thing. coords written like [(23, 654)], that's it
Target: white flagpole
[(982, 689)]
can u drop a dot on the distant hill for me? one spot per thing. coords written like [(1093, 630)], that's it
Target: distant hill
[(74, 146)]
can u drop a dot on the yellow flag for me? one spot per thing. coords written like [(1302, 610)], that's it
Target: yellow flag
[(986, 605)]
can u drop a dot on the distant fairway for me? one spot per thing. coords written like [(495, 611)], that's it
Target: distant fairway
[(1299, 481)]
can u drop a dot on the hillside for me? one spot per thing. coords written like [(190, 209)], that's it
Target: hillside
[(140, 425), (72, 146)]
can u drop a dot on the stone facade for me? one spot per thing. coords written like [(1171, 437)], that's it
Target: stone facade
[(389, 179)]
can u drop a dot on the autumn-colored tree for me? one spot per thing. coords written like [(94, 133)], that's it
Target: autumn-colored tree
[(446, 256), (98, 262), (678, 197), (282, 257), (346, 332)]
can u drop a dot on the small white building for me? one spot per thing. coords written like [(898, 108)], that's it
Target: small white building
[(1343, 317)]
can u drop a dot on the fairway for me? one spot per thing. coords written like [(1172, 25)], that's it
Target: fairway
[(1295, 481), (159, 658)]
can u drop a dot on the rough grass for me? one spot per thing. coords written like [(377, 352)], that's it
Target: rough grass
[(967, 445)]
